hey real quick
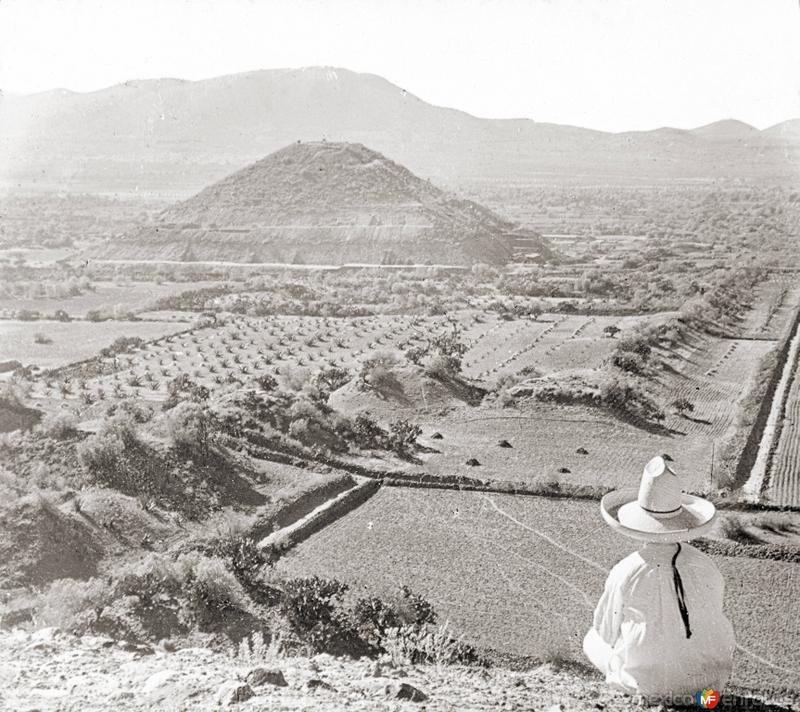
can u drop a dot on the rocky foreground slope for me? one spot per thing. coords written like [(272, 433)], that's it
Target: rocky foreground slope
[(51, 670)]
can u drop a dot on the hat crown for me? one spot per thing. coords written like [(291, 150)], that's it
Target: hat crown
[(660, 489)]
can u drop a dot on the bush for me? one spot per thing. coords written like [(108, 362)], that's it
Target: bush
[(245, 560), (183, 388), (267, 383), (58, 425), (313, 607), (412, 645), (332, 379), (212, 590), (150, 599), (139, 412), (373, 618), (367, 433), (72, 605), (629, 362), (103, 453), (682, 406), (376, 371), (403, 436), (189, 427)]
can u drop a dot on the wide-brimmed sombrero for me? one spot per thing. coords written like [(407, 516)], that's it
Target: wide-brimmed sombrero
[(658, 510)]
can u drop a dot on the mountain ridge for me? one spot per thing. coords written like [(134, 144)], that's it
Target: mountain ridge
[(173, 137)]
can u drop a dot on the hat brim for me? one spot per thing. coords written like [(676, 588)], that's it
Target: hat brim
[(623, 514)]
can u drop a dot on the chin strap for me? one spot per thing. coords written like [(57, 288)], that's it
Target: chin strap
[(679, 592)]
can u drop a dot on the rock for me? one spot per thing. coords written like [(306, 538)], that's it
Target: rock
[(95, 642), (158, 679), (437, 436), (317, 684), (233, 692), (17, 617), (376, 670), (45, 635), (262, 676), (405, 691), (564, 470), (472, 462), (582, 451), (129, 647)]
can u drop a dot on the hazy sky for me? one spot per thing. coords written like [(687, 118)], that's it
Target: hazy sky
[(607, 64)]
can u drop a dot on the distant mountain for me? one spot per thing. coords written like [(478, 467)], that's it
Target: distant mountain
[(786, 130), (172, 137), (326, 203), (727, 130)]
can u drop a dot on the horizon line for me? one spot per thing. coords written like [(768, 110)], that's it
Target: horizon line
[(183, 80)]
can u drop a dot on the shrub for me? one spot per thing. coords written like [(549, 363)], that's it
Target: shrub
[(312, 606), (373, 618), (58, 425), (72, 605), (403, 436), (103, 453), (682, 406), (41, 338), (332, 379), (376, 371), (244, 559), (629, 361), (212, 589), (122, 345), (183, 388), (367, 432), (139, 412), (189, 428), (412, 645), (267, 383)]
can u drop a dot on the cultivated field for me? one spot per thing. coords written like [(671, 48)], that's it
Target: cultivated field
[(535, 569), (567, 443), (226, 355), (548, 444), (109, 298), (70, 341), (776, 301), (553, 343), (785, 474)]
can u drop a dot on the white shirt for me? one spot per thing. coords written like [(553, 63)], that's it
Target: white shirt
[(639, 617)]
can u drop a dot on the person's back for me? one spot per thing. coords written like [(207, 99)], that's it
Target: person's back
[(657, 649), (659, 629)]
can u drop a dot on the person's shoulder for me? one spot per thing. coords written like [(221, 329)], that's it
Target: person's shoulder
[(628, 566), (694, 555)]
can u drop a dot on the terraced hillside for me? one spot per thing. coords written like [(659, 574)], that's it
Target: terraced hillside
[(325, 203)]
